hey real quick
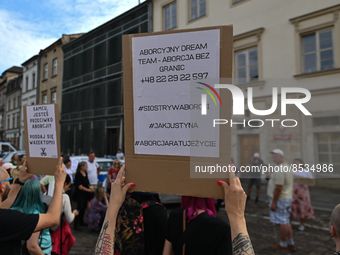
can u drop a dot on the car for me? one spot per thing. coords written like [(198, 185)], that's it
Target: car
[(104, 163), (7, 156)]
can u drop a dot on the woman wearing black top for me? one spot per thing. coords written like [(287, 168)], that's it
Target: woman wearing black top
[(204, 233), (84, 193)]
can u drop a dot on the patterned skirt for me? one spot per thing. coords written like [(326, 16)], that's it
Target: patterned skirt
[(301, 206)]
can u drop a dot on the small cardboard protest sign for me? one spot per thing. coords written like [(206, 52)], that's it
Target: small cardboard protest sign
[(42, 138), (165, 74)]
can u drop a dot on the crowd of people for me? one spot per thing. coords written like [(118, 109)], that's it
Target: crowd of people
[(36, 212)]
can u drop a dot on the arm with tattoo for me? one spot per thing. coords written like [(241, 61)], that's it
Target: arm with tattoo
[(235, 204), (105, 242), (242, 245)]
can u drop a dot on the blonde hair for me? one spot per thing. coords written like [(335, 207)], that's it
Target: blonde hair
[(100, 193), (115, 161), (15, 173)]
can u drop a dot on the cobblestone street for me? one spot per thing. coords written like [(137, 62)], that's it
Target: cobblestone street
[(313, 241)]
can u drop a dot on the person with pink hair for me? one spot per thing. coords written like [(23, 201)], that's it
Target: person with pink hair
[(200, 226)]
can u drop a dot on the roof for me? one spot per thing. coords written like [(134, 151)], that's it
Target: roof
[(14, 84), (64, 39), (14, 69), (30, 60)]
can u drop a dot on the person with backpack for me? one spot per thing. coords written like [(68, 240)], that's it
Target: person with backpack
[(29, 201)]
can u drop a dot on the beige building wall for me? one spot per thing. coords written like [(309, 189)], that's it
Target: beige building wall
[(276, 27), (52, 82)]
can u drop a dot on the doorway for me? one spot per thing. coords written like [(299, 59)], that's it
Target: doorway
[(249, 144), (112, 134)]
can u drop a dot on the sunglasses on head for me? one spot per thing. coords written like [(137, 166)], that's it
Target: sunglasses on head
[(117, 163), (10, 180)]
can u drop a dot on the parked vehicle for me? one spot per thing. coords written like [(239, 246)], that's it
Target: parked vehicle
[(8, 147), (104, 163), (7, 156)]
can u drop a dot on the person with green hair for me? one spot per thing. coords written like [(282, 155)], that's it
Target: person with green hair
[(29, 202)]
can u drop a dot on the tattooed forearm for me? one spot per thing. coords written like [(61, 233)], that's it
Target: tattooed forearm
[(105, 243), (242, 245)]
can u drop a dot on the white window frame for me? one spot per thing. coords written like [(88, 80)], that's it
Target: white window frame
[(197, 6), (171, 6), (247, 66), (318, 51), (55, 66), (44, 98), (45, 71), (54, 97)]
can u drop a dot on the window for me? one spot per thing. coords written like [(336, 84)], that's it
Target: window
[(14, 106), (8, 120), (45, 71), (44, 99), (13, 123), (55, 67), (9, 105), (18, 101), (246, 66), (197, 9), (26, 83), (54, 97), (33, 80), (317, 51), (18, 121), (170, 16), (329, 149)]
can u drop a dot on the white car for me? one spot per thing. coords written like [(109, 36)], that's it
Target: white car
[(7, 156), (104, 163)]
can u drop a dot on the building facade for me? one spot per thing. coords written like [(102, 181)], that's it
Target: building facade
[(92, 95), (277, 44), (51, 71), (28, 91), (13, 110), (6, 76)]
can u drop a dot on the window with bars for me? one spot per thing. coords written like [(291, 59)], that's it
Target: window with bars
[(318, 51), (246, 65), (328, 147), (170, 16), (197, 9)]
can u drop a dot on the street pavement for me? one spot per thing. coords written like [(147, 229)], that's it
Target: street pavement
[(314, 240)]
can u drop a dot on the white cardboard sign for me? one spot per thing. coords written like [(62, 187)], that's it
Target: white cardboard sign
[(164, 68), (41, 131)]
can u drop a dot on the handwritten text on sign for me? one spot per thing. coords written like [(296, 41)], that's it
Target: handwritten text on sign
[(41, 131)]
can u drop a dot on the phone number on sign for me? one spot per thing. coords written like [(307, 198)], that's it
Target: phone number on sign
[(315, 168), (175, 77)]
